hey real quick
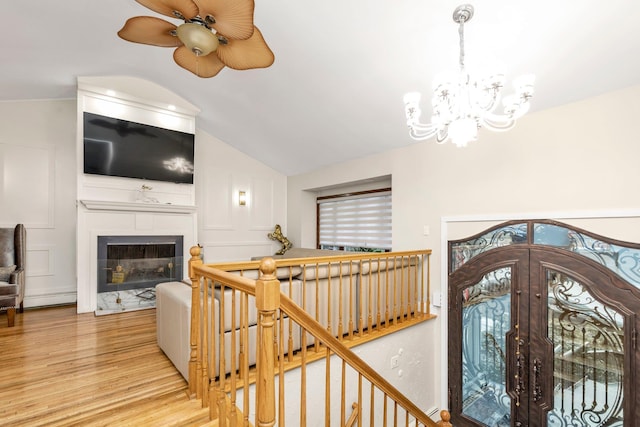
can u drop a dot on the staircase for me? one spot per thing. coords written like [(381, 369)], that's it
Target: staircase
[(324, 379)]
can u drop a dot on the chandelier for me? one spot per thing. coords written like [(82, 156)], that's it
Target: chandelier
[(462, 106)]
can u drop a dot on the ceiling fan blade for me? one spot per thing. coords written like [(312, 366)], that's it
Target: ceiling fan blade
[(233, 18), (186, 8), (246, 54), (201, 66), (149, 30)]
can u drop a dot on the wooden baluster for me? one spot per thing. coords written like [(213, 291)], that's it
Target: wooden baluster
[(303, 379), (388, 298), (290, 334), (372, 408), (428, 292), (343, 395), (329, 300), (398, 285), (233, 416), (280, 349), (370, 300), (267, 302), (351, 303), (394, 286), (204, 347), (209, 298), (416, 290), (244, 354), (360, 302), (340, 303), (384, 410), (406, 276), (359, 399), (194, 338), (317, 305), (327, 388), (221, 396), (378, 307)]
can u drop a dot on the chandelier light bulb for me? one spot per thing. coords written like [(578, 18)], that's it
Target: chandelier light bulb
[(464, 104), (463, 131), (199, 39)]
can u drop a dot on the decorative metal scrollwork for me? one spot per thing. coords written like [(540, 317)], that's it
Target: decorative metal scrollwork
[(622, 260), (463, 252)]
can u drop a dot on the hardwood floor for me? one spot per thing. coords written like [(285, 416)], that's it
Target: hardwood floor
[(59, 368)]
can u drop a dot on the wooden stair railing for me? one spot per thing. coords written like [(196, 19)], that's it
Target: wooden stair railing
[(219, 379)]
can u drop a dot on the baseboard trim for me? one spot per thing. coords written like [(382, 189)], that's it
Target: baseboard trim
[(31, 301)]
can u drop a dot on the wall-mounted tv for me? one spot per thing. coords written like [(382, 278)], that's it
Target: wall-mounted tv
[(115, 147)]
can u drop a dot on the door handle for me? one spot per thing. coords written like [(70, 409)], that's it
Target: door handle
[(520, 366), (537, 373)]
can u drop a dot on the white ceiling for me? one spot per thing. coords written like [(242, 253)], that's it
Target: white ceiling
[(335, 90)]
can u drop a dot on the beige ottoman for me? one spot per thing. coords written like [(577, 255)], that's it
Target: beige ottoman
[(173, 322)]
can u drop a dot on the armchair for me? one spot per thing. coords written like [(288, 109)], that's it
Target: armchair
[(12, 275)]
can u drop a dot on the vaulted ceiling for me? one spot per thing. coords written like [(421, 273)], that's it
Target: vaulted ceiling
[(341, 68)]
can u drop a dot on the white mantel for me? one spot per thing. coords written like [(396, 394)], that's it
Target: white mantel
[(105, 205)]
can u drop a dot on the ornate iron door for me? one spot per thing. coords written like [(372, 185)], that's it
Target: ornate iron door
[(540, 335)]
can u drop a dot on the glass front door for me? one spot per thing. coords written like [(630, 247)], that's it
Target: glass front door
[(486, 320), (540, 337), (588, 355)]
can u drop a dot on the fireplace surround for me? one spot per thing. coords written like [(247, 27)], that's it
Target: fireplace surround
[(138, 262), (134, 219)]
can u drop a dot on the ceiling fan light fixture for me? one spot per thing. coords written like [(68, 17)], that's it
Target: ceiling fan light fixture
[(198, 38)]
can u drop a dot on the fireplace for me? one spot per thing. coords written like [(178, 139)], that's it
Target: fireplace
[(138, 262)]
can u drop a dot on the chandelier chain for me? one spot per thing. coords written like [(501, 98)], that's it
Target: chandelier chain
[(461, 33)]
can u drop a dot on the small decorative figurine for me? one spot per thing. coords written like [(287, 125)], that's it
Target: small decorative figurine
[(144, 197), (118, 275), (277, 235)]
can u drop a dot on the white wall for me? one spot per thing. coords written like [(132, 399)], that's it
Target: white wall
[(576, 160), (38, 186), (228, 231)]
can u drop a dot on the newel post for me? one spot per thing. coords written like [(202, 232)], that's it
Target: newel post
[(445, 417), (194, 338), (267, 302)]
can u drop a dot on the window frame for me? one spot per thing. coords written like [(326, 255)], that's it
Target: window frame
[(320, 199)]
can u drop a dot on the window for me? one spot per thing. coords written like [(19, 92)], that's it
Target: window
[(358, 222)]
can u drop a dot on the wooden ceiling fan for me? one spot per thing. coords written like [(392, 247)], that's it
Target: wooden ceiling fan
[(215, 34)]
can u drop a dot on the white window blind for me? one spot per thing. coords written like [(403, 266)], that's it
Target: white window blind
[(356, 221)]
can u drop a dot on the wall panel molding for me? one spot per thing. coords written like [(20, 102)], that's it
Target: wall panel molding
[(217, 202), (262, 197), (27, 180), (40, 260)]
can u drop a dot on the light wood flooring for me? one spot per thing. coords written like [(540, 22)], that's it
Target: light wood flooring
[(59, 368)]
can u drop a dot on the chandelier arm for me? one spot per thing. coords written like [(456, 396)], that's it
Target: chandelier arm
[(419, 131), (442, 136), (497, 123)]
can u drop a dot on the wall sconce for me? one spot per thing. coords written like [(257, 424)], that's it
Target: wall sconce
[(242, 198)]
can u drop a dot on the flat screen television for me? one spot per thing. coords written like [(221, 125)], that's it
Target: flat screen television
[(115, 147)]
